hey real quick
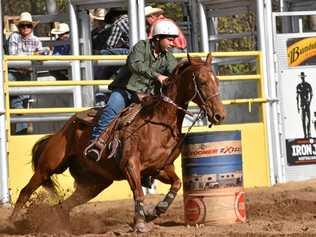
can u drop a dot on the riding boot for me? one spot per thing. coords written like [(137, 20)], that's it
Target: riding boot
[(95, 149)]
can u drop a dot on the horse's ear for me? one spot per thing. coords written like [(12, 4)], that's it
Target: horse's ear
[(209, 59), (189, 58)]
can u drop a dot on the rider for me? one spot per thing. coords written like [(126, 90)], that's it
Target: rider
[(149, 63)]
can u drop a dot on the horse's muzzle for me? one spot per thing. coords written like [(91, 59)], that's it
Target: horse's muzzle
[(215, 119)]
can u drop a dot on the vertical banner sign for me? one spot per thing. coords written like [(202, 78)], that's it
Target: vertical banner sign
[(299, 110)]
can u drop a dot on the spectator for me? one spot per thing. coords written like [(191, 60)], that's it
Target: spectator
[(7, 33), (116, 41), (22, 42), (101, 30), (62, 34), (154, 15), (62, 47)]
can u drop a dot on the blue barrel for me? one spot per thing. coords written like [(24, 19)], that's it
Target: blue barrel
[(212, 178)]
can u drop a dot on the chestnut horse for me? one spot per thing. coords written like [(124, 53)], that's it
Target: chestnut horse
[(148, 145)]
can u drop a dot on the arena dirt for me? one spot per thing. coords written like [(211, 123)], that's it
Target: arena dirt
[(283, 210)]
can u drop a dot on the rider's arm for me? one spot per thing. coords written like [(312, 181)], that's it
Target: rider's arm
[(171, 63), (136, 61)]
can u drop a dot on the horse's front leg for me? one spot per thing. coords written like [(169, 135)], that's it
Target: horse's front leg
[(132, 172), (167, 176)]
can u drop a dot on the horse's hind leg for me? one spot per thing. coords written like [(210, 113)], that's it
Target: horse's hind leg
[(167, 176), (36, 181)]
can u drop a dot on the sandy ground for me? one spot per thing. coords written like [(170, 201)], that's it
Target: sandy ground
[(283, 210)]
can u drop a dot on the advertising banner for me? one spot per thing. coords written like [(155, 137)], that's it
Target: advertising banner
[(299, 110), (301, 51)]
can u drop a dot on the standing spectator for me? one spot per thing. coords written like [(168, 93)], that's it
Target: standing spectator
[(154, 15), (100, 31), (118, 40), (62, 47), (22, 42)]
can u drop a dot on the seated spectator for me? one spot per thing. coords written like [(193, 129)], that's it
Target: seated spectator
[(154, 15), (62, 47), (22, 42), (61, 31), (7, 33)]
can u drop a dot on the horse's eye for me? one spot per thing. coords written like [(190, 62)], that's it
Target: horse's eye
[(202, 82)]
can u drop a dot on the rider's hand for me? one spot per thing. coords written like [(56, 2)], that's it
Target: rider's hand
[(161, 78)]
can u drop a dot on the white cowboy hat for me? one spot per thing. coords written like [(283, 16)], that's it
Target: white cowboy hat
[(26, 18), (60, 28), (149, 10), (98, 14)]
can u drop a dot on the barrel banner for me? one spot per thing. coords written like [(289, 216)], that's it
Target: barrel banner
[(211, 160)]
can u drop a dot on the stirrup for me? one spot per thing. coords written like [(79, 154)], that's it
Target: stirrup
[(92, 153)]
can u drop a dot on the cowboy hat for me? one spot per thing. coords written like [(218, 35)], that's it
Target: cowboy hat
[(60, 28), (98, 14), (26, 18), (149, 10), (302, 75)]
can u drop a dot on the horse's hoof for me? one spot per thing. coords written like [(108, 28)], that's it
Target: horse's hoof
[(151, 215), (143, 227)]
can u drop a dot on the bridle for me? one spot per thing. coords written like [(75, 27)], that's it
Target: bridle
[(197, 92), (201, 114)]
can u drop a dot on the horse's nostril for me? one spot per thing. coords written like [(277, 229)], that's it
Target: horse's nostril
[(218, 118)]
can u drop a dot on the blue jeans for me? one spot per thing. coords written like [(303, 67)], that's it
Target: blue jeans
[(106, 72), (18, 101), (115, 105)]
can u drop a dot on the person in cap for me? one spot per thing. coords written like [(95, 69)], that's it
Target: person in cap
[(148, 65), (61, 47), (22, 42), (304, 95), (154, 15)]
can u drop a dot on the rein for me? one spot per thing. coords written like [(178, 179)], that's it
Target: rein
[(199, 93), (200, 115)]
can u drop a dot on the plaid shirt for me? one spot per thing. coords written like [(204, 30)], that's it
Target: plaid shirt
[(119, 34), (23, 46)]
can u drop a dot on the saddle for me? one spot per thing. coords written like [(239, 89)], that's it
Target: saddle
[(110, 139), (89, 117)]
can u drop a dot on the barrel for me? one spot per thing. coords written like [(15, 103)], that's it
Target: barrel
[(212, 178)]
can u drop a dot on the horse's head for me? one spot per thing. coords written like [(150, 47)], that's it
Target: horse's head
[(206, 89)]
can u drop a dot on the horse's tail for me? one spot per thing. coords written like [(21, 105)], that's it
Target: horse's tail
[(50, 184)]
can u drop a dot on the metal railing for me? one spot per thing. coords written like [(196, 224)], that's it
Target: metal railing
[(48, 60)]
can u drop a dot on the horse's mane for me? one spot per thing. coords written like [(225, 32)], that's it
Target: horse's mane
[(183, 64)]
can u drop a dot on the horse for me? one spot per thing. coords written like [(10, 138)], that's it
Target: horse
[(148, 145)]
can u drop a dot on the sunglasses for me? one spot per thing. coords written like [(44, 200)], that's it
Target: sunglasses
[(25, 26)]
